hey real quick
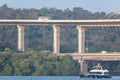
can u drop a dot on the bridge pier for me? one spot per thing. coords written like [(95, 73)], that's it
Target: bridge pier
[(83, 66), (81, 39), (56, 39), (20, 38)]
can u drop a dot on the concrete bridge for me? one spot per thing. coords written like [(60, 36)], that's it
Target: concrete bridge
[(56, 24)]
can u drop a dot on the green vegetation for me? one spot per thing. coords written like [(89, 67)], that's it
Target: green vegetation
[(34, 61), (37, 63)]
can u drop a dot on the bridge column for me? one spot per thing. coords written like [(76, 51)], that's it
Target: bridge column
[(81, 39), (56, 38), (83, 67), (20, 38)]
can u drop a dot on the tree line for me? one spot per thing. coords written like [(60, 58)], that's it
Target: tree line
[(36, 63)]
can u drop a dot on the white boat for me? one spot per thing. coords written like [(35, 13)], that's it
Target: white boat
[(98, 72)]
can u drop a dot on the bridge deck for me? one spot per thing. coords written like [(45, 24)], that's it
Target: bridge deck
[(109, 22), (94, 56)]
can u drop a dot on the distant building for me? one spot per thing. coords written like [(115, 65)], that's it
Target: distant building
[(44, 18), (103, 51)]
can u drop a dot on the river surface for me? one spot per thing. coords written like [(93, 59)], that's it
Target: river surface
[(51, 78)]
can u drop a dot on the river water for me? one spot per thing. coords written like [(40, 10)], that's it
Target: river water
[(51, 78)]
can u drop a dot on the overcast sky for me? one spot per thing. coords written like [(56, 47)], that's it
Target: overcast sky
[(91, 5)]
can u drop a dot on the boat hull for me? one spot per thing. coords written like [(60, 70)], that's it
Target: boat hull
[(99, 76), (95, 76)]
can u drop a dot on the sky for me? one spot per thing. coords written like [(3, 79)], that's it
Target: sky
[(91, 5)]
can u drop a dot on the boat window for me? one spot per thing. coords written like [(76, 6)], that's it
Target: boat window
[(95, 72), (106, 73)]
